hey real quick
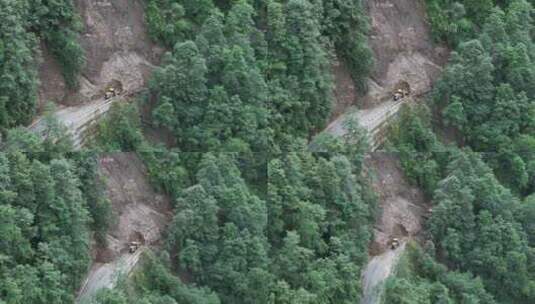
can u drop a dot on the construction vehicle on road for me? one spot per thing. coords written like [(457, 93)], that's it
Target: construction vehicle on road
[(401, 90), (113, 88), (133, 246), (110, 93)]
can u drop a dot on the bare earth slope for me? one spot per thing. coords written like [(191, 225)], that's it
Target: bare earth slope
[(117, 45), (402, 44), (118, 50), (141, 215)]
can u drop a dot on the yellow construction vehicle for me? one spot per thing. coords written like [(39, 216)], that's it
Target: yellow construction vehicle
[(112, 89), (401, 90), (110, 93)]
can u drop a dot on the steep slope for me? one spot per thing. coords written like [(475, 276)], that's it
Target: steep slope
[(117, 46), (402, 46), (402, 210), (119, 53)]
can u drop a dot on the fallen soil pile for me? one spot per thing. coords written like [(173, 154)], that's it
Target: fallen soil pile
[(118, 49)]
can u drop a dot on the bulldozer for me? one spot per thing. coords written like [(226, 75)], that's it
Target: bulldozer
[(401, 90)]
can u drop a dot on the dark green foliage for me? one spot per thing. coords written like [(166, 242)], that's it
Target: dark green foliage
[(299, 72), (170, 21), (475, 230), (255, 77), (120, 130), (420, 279), (473, 222), (18, 76), (153, 283), (345, 23), (304, 244), (93, 189), (59, 26), (457, 21), (44, 214), (23, 23), (64, 46), (422, 156), (213, 107), (49, 197), (477, 225), (486, 91)]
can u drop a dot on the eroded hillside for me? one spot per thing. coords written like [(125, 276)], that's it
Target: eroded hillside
[(117, 48)]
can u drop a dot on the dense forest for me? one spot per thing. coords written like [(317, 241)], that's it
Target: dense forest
[(477, 227), (51, 201), (486, 92)]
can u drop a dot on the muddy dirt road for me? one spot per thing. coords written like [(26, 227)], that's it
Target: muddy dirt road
[(373, 120), (404, 51), (106, 275)]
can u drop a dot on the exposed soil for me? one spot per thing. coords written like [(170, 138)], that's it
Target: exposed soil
[(344, 91), (117, 48), (117, 45), (404, 52), (141, 212), (141, 216), (402, 205), (402, 208), (52, 86), (403, 47)]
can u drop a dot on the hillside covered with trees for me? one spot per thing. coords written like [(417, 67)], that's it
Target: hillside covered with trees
[(483, 193), (259, 213)]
